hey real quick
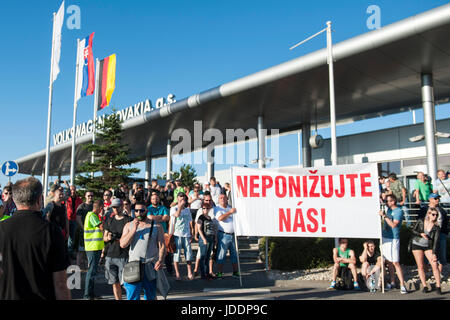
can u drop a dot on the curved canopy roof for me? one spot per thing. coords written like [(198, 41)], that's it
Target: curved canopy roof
[(376, 73)]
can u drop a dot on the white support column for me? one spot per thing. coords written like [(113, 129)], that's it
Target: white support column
[(210, 153), (169, 160), (429, 124), (148, 171), (261, 143)]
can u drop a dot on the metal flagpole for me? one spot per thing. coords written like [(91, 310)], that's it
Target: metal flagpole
[(332, 99), (97, 80), (74, 133), (381, 253), (235, 235), (49, 115), (332, 102)]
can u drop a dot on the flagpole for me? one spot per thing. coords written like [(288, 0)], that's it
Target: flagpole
[(75, 104), (235, 234), (49, 115), (97, 80)]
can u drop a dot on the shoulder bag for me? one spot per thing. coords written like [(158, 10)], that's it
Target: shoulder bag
[(169, 241), (132, 271)]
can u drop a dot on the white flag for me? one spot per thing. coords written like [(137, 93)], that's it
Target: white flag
[(80, 68), (56, 53)]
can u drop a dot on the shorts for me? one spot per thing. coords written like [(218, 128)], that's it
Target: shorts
[(225, 243), (113, 269), (416, 247), (376, 275), (182, 243), (391, 249)]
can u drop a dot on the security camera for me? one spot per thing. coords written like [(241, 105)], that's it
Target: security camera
[(442, 135), (417, 138), (316, 141)]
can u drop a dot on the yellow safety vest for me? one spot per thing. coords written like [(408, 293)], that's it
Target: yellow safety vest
[(93, 236)]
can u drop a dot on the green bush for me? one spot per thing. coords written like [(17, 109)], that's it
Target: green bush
[(289, 254)]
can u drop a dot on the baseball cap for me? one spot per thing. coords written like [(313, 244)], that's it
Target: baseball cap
[(117, 202), (434, 196)]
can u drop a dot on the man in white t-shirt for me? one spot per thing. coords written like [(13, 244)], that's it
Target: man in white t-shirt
[(225, 236), (215, 190), (442, 187), (181, 228)]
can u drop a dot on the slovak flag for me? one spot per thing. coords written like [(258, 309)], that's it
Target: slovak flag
[(86, 68)]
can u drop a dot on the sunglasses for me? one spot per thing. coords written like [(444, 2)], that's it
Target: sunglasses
[(433, 214), (89, 196), (7, 192), (139, 210), (205, 208)]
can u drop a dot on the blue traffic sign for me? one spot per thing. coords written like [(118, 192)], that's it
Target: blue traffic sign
[(10, 168)]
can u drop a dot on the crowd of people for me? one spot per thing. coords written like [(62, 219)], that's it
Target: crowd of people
[(428, 243), (137, 225), (125, 227)]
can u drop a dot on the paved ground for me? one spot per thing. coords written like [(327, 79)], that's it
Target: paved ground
[(256, 285)]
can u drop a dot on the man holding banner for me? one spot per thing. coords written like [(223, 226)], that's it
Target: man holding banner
[(225, 237), (391, 241)]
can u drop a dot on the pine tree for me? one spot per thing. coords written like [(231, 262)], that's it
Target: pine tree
[(187, 175), (111, 157)]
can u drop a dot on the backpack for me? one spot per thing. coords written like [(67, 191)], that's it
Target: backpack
[(345, 281)]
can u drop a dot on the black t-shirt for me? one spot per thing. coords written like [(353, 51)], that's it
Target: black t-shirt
[(116, 227), (83, 209), (59, 216), (74, 202), (32, 250), (373, 260), (207, 225)]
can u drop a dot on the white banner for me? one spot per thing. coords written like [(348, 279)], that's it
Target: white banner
[(332, 201)]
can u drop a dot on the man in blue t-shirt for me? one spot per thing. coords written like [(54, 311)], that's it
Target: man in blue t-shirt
[(160, 214), (391, 240)]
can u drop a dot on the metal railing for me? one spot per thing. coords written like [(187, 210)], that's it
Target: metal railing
[(412, 210)]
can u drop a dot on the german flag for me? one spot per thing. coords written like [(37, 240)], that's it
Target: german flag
[(107, 81)]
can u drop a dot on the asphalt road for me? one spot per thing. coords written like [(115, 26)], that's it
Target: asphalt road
[(257, 286)]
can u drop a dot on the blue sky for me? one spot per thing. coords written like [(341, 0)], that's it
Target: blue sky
[(162, 47)]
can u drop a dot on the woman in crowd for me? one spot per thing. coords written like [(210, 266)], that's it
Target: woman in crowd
[(207, 237), (425, 242), (127, 208)]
